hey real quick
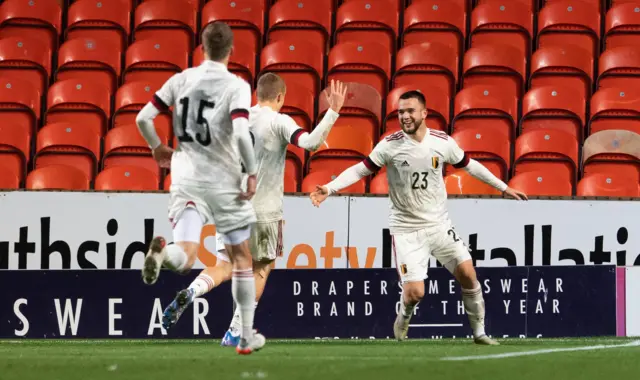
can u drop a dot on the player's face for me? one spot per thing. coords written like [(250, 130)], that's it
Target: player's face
[(411, 115)]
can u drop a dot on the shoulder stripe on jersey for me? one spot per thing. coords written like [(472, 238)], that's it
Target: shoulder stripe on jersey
[(295, 136), (395, 136), (159, 103), (368, 162), (439, 135), (239, 112), (463, 163)]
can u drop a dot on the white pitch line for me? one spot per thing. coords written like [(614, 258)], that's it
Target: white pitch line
[(540, 352), (437, 325)]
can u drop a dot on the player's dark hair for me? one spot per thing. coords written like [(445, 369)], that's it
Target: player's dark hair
[(269, 86), (217, 40), (415, 94)]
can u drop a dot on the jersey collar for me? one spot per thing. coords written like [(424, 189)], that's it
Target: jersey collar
[(213, 65)]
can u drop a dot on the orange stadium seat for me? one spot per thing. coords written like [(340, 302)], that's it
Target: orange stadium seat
[(8, 179), (568, 66), (599, 5), (379, 184), (498, 65), (290, 182), (362, 21), (499, 22), (437, 108), (302, 21), (242, 61), (491, 147), (542, 184), (570, 22), (462, 183), (15, 150), (439, 21), (26, 58), (619, 2), (293, 165), (92, 59), (297, 62), (427, 64), (298, 104), (130, 98), (154, 60), (620, 68), (550, 150), (322, 177), (622, 26), (125, 177), (126, 146), (482, 107), (553, 107), (68, 144), (166, 20), (166, 184), (41, 20), (614, 152), (245, 17), (58, 177), (79, 101), (607, 185), (612, 108), (19, 104), (100, 19), (360, 62)]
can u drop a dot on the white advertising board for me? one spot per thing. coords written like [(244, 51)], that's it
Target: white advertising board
[(632, 301)]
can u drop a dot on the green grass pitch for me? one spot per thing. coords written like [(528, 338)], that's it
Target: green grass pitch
[(322, 360)]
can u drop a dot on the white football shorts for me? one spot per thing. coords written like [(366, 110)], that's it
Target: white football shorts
[(413, 250), (265, 242)]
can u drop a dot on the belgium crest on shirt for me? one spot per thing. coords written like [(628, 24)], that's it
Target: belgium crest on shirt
[(435, 162)]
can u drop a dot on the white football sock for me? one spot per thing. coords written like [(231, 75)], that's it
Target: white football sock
[(202, 285), (176, 258), (474, 306), (236, 322), (243, 288)]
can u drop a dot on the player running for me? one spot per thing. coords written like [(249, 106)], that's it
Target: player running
[(272, 132), (210, 120), (419, 220)]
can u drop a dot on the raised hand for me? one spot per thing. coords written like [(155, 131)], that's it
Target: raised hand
[(336, 96)]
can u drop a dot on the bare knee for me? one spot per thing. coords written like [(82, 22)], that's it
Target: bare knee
[(465, 273), (413, 293)]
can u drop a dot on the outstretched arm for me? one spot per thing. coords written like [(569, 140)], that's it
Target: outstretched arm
[(312, 141), (481, 172)]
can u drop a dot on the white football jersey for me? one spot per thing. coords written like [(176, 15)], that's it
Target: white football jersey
[(414, 173), (205, 100), (271, 132)]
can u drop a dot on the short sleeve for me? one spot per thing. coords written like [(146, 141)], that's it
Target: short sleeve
[(240, 101), (287, 129), (454, 155), (165, 96), (378, 157)]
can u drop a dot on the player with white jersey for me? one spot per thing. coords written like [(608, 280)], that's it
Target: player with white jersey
[(210, 120), (419, 221), (272, 131)]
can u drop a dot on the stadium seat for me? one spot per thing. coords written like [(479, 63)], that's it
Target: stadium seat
[(500, 22), (68, 144), (100, 19), (553, 107), (483, 107), (363, 21), (41, 20), (427, 64), (8, 179), (599, 5), (495, 65), (126, 146), (91, 59), (550, 150), (301, 63), (172, 21), (290, 182), (19, 104), (542, 184), (460, 182), (58, 177), (322, 177), (125, 177), (379, 184), (360, 62), (613, 152), (27, 59), (622, 26), (15, 150), (612, 108), (437, 108), (607, 185), (620, 68), (439, 21), (130, 98), (619, 2), (491, 147), (302, 21), (242, 61), (569, 66), (570, 22), (293, 165), (245, 17), (81, 102), (154, 60)]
